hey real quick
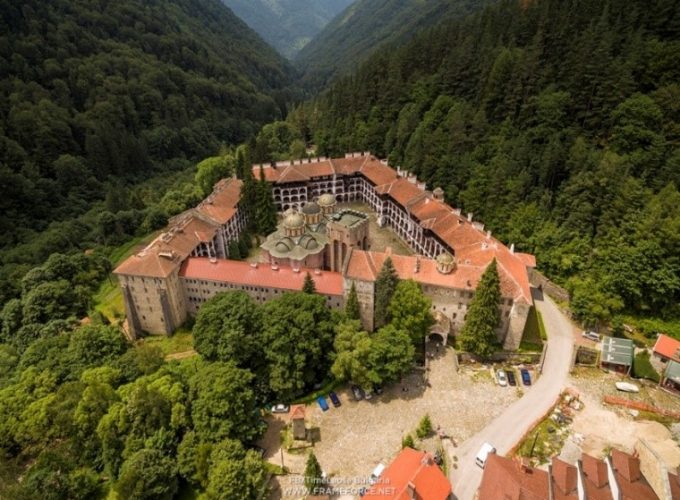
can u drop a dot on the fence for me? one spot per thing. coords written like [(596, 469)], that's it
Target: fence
[(636, 405)]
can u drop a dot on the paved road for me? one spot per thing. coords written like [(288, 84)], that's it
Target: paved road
[(506, 430)]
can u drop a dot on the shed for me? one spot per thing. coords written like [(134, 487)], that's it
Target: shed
[(667, 348), (671, 376), (617, 354), (297, 417)]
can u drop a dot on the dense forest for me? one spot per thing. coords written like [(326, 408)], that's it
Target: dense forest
[(287, 25), (365, 26), (92, 91), (556, 123)]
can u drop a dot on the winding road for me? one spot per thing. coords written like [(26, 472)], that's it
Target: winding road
[(506, 430)]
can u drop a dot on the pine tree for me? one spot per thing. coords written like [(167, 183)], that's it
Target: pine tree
[(384, 289), (265, 209), (352, 310), (407, 442), (424, 427), (234, 250), (309, 286), (478, 334), (313, 475)]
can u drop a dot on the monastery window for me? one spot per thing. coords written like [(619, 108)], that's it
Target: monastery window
[(507, 313), (454, 315), (143, 317), (460, 305)]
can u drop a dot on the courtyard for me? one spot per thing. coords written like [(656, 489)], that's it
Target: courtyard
[(357, 436)]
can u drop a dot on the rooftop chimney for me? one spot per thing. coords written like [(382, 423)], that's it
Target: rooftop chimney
[(469, 216), (512, 248), (411, 488), (488, 234)]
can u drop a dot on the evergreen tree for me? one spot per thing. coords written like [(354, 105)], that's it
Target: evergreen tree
[(352, 309), (309, 286), (424, 427), (385, 285), (313, 475), (478, 334), (410, 311), (265, 210), (234, 250), (407, 442)]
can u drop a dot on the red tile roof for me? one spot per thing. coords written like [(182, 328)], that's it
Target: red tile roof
[(506, 479), (221, 204), (242, 273), (632, 485), (674, 480), (564, 480), (667, 347), (164, 254), (297, 412), (365, 266), (414, 468), (595, 478)]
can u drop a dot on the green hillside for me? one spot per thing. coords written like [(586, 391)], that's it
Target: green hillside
[(287, 25), (94, 90), (556, 123), (367, 24)]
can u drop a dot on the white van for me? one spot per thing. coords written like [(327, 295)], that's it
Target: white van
[(377, 472), (595, 337), (483, 454)]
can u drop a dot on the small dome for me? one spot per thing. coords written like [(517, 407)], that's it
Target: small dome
[(326, 200), (444, 259), (284, 246), (294, 220), (311, 208)]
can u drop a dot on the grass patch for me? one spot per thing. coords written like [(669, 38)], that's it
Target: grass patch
[(544, 441), (180, 341), (642, 367), (534, 331), (648, 328), (482, 376), (662, 419)]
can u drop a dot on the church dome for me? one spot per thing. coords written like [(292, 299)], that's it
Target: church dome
[(311, 208), (284, 246), (326, 200), (308, 242), (293, 221)]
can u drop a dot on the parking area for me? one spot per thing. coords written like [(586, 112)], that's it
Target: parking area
[(357, 436)]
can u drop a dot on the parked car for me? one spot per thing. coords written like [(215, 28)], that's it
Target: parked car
[(526, 378), (595, 337), (280, 408), (358, 392), (511, 377), (501, 378), (335, 399), (483, 454), (322, 403)]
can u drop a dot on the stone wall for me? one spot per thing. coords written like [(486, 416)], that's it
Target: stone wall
[(653, 468), (539, 280)]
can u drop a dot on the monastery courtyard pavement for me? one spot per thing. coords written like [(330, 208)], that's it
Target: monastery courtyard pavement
[(357, 436)]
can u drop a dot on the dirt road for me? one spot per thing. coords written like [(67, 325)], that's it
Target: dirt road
[(506, 430)]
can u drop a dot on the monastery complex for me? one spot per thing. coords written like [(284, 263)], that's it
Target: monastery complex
[(189, 262)]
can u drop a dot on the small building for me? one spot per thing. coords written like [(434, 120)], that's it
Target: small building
[(671, 376), (630, 483), (297, 418), (617, 354), (413, 474), (667, 349)]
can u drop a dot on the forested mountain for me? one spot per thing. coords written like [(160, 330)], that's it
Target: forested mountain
[(557, 123), (97, 90), (287, 25), (367, 24)]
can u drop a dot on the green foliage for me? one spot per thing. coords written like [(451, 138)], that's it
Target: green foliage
[(407, 442), (212, 169), (478, 334), (410, 311), (147, 474), (385, 285), (228, 328), (352, 308), (298, 330), (235, 473), (369, 360), (265, 210), (424, 427), (642, 367), (309, 286), (313, 475), (223, 403)]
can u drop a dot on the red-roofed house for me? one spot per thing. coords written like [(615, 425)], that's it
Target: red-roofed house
[(667, 348), (413, 475), (507, 479)]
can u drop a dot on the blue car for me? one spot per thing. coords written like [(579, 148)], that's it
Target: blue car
[(526, 378), (335, 399), (322, 403)]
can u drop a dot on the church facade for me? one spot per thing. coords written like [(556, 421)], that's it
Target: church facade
[(188, 263)]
